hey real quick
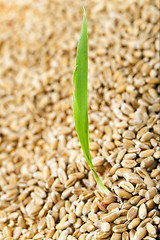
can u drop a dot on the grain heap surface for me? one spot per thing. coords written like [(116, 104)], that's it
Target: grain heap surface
[(46, 188)]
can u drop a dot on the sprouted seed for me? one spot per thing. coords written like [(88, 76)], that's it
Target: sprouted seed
[(80, 102)]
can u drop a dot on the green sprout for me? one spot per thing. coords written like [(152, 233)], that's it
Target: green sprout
[(80, 102)]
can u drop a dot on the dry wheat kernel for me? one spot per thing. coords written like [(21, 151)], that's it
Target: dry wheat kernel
[(50, 221), (156, 199), (72, 217), (132, 213), (140, 233), (93, 217), (105, 227), (111, 216), (79, 208), (127, 186), (156, 155), (156, 220), (128, 163), (87, 227), (83, 236), (112, 206), (32, 208), (116, 236), (142, 213), (121, 219), (149, 182), (149, 238), (151, 193), (120, 228), (150, 204), (151, 230), (147, 162), (125, 236), (129, 134), (142, 172), (146, 153), (134, 223), (122, 193), (134, 200), (101, 235), (62, 225), (71, 237), (144, 222), (132, 234)]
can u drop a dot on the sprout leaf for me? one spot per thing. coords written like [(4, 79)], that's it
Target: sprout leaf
[(80, 103)]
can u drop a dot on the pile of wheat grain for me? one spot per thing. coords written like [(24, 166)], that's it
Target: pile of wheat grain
[(46, 188)]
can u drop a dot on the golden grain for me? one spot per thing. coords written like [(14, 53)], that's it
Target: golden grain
[(111, 216), (129, 134), (156, 220), (132, 213), (122, 193), (140, 233), (146, 137), (121, 171), (120, 220), (142, 212), (134, 223), (127, 186), (147, 162), (120, 228), (71, 181), (47, 189), (125, 236), (149, 182), (146, 153), (134, 200), (112, 206), (116, 236), (62, 225), (151, 230), (87, 207), (105, 227), (93, 217), (32, 208), (144, 222), (128, 163), (101, 235), (87, 227), (151, 193)]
